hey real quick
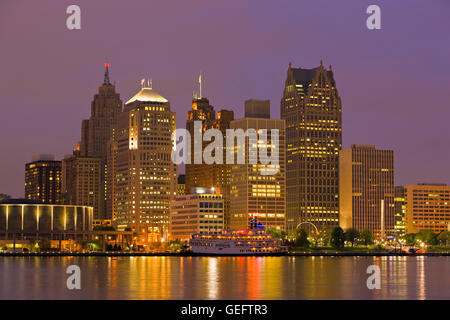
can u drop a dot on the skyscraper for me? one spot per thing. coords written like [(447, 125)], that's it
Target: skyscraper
[(199, 175), (312, 109), (252, 194), (96, 133), (145, 178), (216, 175), (366, 189), (43, 179)]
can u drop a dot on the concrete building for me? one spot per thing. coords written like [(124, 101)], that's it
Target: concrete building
[(366, 188), (252, 194), (257, 108), (95, 135), (312, 109), (81, 178), (195, 213), (43, 179), (427, 207), (145, 178)]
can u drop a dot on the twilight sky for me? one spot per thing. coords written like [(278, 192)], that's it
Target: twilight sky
[(394, 82)]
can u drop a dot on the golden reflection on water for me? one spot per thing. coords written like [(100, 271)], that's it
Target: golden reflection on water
[(224, 278)]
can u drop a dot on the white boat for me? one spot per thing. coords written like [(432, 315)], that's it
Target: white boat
[(253, 242)]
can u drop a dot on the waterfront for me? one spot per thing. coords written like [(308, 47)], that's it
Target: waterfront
[(225, 278)]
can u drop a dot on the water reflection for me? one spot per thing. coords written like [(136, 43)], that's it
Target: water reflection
[(225, 278)]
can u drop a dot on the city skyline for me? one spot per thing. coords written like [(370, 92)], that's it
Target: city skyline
[(377, 90)]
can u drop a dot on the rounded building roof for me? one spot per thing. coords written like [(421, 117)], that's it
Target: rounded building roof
[(147, 95)]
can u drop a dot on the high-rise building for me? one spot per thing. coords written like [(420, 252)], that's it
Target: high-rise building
[(427, 207), (312, 109), (253, 194), (43, 179), (195, 213), (145, 178), (96, 133), (81, 177), (366, 189), (216, 175), (400, 211), (198, 175)]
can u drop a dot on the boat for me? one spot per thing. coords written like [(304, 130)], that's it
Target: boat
[(242, 242)]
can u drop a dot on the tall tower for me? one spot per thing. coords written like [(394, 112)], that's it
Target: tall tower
[(43, 179), (312, 109), (97, 131), (145, 178)]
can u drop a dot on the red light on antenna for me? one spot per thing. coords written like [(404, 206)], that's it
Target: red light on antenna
[(106, 65)]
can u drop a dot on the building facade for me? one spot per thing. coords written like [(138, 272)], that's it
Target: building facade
[(312, 109), (195, 213), (81, 179), (145, 178), (427, 207), (253, 194), (43, 179), (96, 133), (366, 188), (400, 211)]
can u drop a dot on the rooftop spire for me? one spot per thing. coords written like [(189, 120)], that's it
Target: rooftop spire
[(106, 80)]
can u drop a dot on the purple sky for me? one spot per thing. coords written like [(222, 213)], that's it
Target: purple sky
[(394, 82)]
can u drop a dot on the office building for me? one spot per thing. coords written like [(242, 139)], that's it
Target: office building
[(145, 178), (195, 213), (253, 194), (43, 179), (366, 187), (427, 207), (312, 109)]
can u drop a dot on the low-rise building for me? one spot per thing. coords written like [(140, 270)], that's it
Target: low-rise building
[(195, 213)]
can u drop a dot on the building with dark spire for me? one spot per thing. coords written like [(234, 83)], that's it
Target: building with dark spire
[(312, 109), (95, 135)]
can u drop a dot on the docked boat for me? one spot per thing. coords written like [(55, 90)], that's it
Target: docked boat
[(252, 242)]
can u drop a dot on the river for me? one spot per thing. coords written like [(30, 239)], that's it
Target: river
[(225, 278)]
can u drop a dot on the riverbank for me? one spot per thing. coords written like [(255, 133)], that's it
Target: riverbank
[(178, 254)]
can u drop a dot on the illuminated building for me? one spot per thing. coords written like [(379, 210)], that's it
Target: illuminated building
[(43, 179), (427, 207), (253, 195), (195, 213), (209, 175), (312, 109), (400, 211), (81, 178), (145, 178), (366, 188), (95, 135), (63, 226), (181, 185)]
